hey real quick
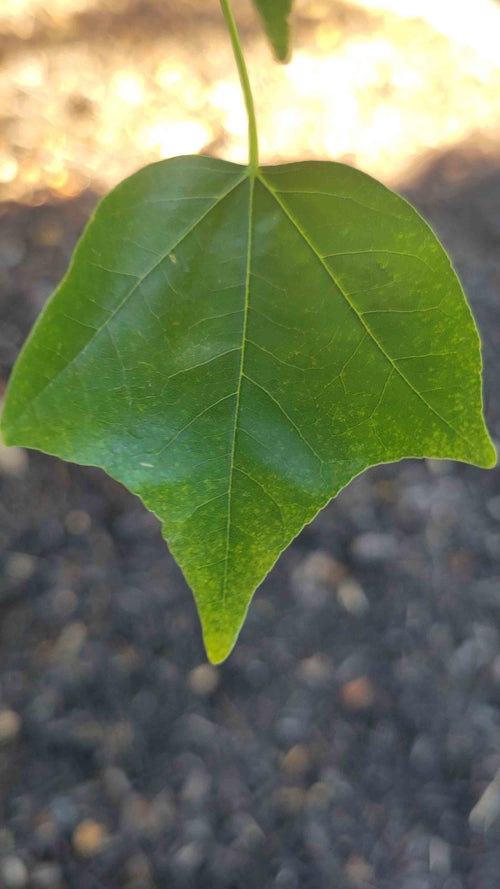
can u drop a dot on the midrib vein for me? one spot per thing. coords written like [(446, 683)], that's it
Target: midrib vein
[(288, 213), (238, 391)]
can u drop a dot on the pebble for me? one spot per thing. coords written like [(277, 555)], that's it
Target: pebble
[(358, 872), (65, 813), (315, 578), (358, 694), (89, 838), (319, 796), (46, 876), (249, 834), (146, 818), (14, 872), (13, 461), (439, 856), (77, 522), (352, 597), (20, 567), (296, 761), (467, 660), (10, 725), (203, 680), (287, 878), (45, 833), (63, 602), (315, 671), (139, 870), (70, 642), (187, 859), (290, 730), (424, 756), (196, 788), (374, 547), (487, 809), (290, 800), (340, 789)]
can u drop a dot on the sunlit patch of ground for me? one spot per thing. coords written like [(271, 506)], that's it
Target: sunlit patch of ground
[(90, 91)]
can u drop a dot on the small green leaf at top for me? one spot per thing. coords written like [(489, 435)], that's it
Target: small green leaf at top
[(275, 15), (236, 348)]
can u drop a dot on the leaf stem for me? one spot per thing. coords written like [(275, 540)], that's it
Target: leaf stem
[(253, 142)]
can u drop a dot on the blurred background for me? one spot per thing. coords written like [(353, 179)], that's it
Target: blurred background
[(352, 740)]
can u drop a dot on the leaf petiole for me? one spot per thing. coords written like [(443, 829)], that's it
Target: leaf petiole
[(253, 142)]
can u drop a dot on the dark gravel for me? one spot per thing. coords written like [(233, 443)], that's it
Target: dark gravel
[(352, 739)]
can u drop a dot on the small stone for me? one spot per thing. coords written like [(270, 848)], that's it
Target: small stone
[(487, 809), (296, 761), (315, 578), (358, 694), (144, 817), (77, 522), (196, 787), (70, 642), (319, 796), (374, 547), (65, 814), (353, 598), (315, 671), (90, 838), (286, 878), (46, 876), (248, 833), (468, 659), (290, 730), (10, 725), (138, 870), (289, 800), (358, 872), (14, 872), (13, 461), (116, 783), (439, 856), (423, 756), (321, 566), (188, 859), (203, 680), (63, 602), (45, 831), (20, 566)]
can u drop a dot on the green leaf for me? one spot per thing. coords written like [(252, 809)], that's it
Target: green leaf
[(236, 349), (274, 15)]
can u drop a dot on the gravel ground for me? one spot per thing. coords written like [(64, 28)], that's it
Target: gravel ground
[(352, 739)]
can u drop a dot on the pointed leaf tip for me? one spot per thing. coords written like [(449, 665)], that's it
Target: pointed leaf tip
[(217, 647), (275, 15)]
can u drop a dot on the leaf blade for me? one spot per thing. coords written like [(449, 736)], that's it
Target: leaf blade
[(251, 368)]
